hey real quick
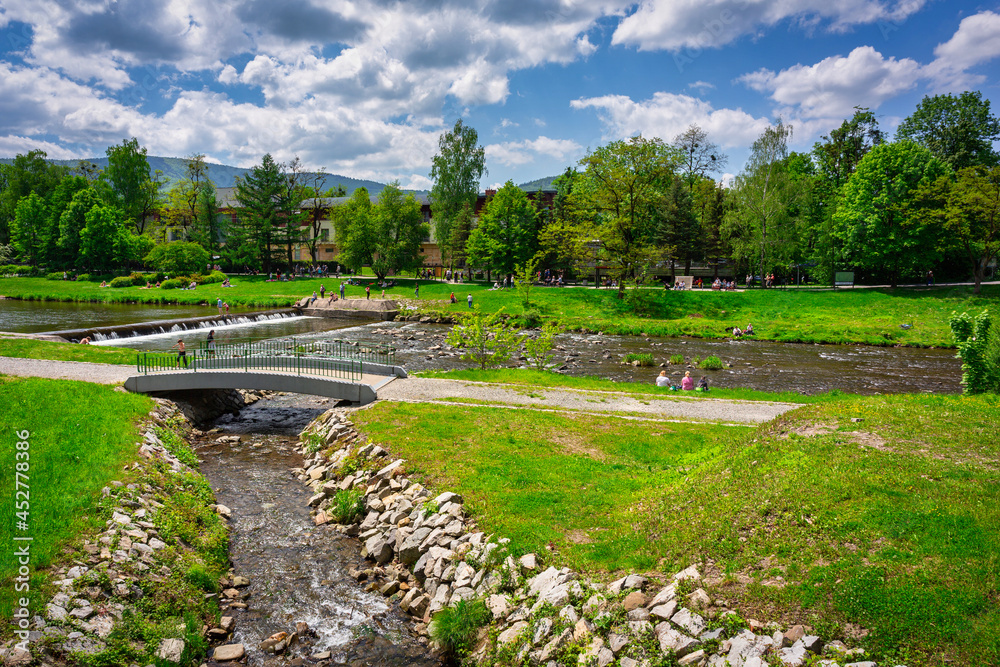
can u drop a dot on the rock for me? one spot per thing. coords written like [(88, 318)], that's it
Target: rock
[(378, 549), (634, 600), (628, 662), (617, 642), (170, 650), (556, 643), (499, 605), (448, 497), (605, 657), (812, 643), (692, 658), (569, 614), (594, 604), (240, 582), (638, 614), (389, 588), (542, 630), (672, 640), (582, 630), (699, 599), (409, 552), (795, 656), (688, 621), (794, 634), (632, 581), (227, 623), (689, 573), (664, 596), (511, 633), (228, 652), (665, 611), (529, 564)]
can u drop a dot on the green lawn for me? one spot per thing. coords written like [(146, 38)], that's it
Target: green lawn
[(28, 348), (890, 524), (82, 435), (848, 316)]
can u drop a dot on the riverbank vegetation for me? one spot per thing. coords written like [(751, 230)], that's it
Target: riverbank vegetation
[(874, 519), (29, 348), (911, 317), (82, 439)]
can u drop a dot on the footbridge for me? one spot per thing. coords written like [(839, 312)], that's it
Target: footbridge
[(336, 369)]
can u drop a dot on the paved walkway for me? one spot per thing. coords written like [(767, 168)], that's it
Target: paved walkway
[(425, 390)]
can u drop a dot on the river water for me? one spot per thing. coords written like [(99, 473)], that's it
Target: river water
[(297, 572)]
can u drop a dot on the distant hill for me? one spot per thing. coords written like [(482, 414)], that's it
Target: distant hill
[(224, 176), (540, 183)]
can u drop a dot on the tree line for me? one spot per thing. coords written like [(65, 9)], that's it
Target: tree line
[(924, 202)]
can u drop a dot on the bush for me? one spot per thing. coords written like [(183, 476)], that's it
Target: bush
[(530, 318), (711, 363), (55, 275), (174, 283), (212, 278), (83, 276), (199, 577), (16, 270), (644, 358), (676, 359), (347, 506), (121, 281), (455, 628), (179, 257)]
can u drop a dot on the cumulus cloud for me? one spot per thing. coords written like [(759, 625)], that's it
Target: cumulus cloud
[(666, 115), (833, 86), (976, 41), (513, 153), (702, 24)]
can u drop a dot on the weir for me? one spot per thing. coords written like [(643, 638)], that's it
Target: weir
[(177, 325)]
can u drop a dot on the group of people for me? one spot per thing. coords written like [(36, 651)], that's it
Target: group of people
[(687, 382), (739, 333), (719, 284)]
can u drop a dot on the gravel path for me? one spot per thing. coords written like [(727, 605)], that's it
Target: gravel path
[(419, 390), (425, 390), (66, 370)]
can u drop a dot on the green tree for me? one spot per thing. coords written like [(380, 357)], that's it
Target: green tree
[(185, 199), (711, 204), (26, 174), (456, 171), (958, 130), (71, 224), (399, 229), (759, 225), (134, 191), (507, 232), (874, 223), (261, 193), (207, 229), (699, 156), (180, 258), (677, 232), (105, 241), (487, 339), (354, 223), (839, 153), (624, 185), (537, 348), (972, 336), (58, 202), (29, 228), (290, 231)]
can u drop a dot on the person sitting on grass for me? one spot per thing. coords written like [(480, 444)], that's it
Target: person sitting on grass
[(687, 384), (662, 380), (703, 383), (749, 330)]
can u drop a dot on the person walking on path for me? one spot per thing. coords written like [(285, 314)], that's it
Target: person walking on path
[(416, 291), (181, 353), (342, 290), (368, 291), (470, 302), (322, 291)]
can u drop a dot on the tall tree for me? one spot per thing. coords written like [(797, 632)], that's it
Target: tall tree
[(699, 156), (260, 193), (134, 191), (839, 153), (711, 205), (677, 231), (758, 223), (207, 229), (456, 171), (626, 184), (106, 243), (874, 222), (26, 174), (507, 232), (185, 198), (960, 130), (399, 230), (58, 202), (29, 228), (291, 233), (71, 224), (353, 223)]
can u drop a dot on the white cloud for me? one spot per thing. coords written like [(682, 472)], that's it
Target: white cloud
[(513, 153), (666, 115), (228, 75), (694, 25), (976, 41), (832, 87)]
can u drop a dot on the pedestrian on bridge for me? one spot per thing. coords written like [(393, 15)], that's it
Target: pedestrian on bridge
[(181, 353)]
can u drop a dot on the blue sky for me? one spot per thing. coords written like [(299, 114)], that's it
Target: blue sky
[(364, 88)]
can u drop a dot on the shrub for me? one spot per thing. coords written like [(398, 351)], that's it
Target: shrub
[(644, 358), (347, 506), (973, 338), (530, 318), (676, 359), (174, 283), (537, 349), (122, 281), (454, 628), (55, 275), (712, 363), (199, 577), (83, 276), (212, 278), (179, 257), (485, 339)]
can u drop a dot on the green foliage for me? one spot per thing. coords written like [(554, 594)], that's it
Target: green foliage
[(538, 348), (644, 358), (958, 130), (179, 258), (486, 339), (399, 230), (121, 281), (28, 229), (347, 506), (177, 446), (676, 359), (454, 628), (200, 577), (314, 442), (132, 190), (174, 283), (55, 275), (507, 233), (524, 278), (711, 363), (979, 373), (456, 171), (264, 198)]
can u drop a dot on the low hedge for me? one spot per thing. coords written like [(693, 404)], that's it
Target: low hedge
[(174, 283)]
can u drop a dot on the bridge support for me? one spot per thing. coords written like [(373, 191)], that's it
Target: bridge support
[(299, 384)]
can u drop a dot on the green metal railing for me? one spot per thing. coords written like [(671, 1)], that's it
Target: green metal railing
[(244, 358), (374, 353)]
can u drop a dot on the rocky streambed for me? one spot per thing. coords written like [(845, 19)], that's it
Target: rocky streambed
[(426, 555)]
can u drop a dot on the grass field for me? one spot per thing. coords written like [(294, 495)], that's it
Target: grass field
[(888, 526), (865, 316), (81, 437), (27, 348)]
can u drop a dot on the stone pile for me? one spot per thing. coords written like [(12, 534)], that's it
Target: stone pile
[(428, 555)]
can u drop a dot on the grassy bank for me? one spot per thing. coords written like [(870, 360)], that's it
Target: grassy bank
[(868, 316), (81, 437), (884, 531), (28, 348)]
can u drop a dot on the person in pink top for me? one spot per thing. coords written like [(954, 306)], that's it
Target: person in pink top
[(687, 384)]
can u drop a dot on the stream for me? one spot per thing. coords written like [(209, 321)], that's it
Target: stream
[(297, 571)]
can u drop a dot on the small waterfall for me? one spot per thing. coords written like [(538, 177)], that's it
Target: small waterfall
[(221, 323)]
